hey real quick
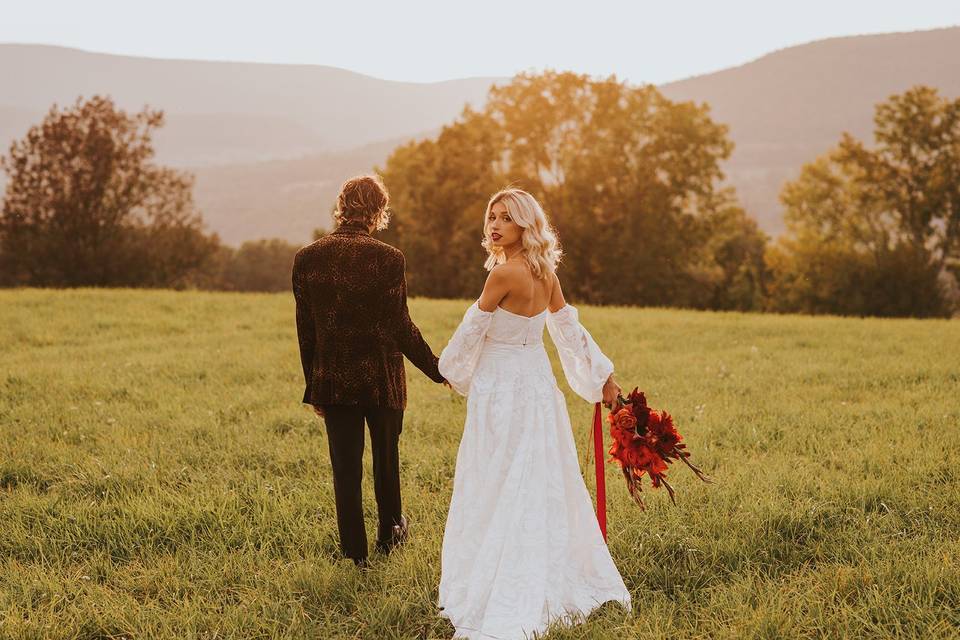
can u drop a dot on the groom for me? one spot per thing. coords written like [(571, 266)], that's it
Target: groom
[(354, 329)]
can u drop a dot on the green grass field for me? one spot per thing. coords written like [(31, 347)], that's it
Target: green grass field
[(160, 478)]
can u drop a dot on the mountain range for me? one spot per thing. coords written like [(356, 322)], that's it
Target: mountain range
[(270, 144)]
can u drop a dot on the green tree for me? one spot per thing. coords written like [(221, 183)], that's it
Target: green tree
[(628, 178), (875, 231), (732, 259), (438, 191), (85, 205), (260, 265)]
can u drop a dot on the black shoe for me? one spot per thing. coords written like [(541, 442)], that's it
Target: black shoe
[(398, 535), (362, 563)]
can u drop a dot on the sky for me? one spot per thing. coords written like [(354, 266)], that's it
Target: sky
[(428, 41)]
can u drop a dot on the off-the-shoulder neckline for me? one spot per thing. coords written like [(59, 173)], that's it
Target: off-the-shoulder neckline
[(519, 315)]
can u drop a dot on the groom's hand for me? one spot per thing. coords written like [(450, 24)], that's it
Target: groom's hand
[(317, 409)]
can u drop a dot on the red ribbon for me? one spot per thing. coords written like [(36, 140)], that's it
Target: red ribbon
[(598, 464)]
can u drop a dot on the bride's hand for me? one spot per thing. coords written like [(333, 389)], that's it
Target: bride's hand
[(610, 392)]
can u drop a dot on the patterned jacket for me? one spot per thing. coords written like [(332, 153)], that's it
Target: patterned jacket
[(352, 321)]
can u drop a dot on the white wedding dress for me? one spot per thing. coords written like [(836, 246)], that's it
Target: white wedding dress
[(522, 546)]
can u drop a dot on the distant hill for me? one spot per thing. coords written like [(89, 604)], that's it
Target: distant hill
[(283, 198), (254, 111), (790, 106), (270, 144)]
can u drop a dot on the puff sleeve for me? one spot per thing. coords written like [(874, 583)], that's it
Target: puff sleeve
[(459, 358), (584, 365)]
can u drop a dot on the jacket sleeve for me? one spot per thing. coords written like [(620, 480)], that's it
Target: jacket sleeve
[(584, 365), (411, 342), (306, 329), (458, 360)]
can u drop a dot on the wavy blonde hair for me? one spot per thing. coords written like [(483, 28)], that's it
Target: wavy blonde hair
[(540, 246)]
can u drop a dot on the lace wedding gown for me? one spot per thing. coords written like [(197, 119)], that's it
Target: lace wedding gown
[(522, 546)]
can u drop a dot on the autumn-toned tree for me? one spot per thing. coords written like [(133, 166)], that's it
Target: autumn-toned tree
[(86, 206), (876, 231)]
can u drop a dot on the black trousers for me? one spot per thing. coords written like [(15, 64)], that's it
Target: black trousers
[(345, 437)]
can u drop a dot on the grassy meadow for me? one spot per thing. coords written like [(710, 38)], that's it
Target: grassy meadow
[(159, 477)]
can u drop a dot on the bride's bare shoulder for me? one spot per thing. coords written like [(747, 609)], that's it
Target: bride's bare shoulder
[(514, 271), (511, 275), (504, 275), (500, 281)]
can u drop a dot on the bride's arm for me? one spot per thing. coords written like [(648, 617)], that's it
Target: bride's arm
[(584, 364)]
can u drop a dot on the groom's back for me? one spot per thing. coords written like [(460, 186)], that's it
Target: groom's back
[(342, 266), (347, 277), (351, 317)]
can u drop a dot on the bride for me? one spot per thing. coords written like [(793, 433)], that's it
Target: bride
[(522, 546)]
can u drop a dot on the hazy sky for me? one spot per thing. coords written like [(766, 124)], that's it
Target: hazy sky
[(425, 41)]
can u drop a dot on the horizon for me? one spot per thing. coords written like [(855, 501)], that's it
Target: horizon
[(562, 41), (472, 77)]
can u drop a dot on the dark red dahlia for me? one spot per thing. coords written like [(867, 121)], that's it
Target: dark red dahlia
[(645, 441)]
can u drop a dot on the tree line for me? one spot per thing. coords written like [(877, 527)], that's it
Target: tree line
[(631, 180), (85, 205)]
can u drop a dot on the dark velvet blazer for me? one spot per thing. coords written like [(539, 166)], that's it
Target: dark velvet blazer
[(352, 321)]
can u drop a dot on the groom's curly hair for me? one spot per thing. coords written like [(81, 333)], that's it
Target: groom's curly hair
[(363, 198)]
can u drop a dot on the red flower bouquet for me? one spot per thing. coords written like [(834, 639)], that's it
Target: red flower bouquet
[(645, 441)]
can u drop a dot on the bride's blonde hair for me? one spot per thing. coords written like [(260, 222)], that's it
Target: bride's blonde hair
[(540, 246)]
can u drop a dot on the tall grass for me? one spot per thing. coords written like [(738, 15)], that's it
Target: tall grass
[(159, 477)]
